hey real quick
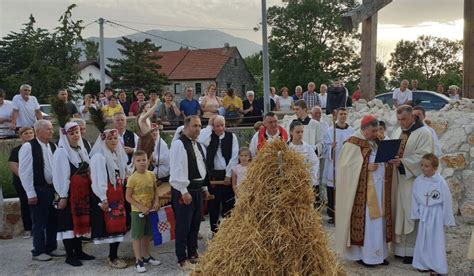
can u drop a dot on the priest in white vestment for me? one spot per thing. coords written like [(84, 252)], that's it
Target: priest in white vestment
[(416, 142), (363, 207), (432, 207)]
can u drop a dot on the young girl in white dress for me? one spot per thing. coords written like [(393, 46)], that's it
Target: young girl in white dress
[(240, 170), (306, 150), (432, 206)]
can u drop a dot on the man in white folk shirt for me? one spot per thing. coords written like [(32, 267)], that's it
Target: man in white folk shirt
[(26, 109), (332, 151), (128, 138), (363, 199), (316, 114), (188, 179), (222, 149), (313, 135), (416, 142), (36, 175), (270, 132)]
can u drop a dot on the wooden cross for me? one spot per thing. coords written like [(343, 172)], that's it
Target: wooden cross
[(367, 14), (468, 58)]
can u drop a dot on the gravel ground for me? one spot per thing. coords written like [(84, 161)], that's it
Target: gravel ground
[(15, 258)]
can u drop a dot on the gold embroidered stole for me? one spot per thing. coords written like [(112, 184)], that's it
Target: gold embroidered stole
[(366, 195)]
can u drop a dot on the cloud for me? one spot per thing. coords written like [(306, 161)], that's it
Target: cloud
[(413, 12)]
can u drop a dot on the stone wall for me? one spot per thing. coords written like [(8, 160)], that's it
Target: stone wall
[(12, 224), (454, 125)]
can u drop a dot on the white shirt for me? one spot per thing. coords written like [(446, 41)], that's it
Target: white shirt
[(62, 171), (219, 160), (402, 97), (25, 167), (254, 142), (179, 166), (310, 158), (323, 99), (6, 111), (285, 104), (162, 159), (26, 110)]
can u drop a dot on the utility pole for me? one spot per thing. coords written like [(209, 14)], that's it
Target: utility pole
[(266, 73), (101, 54)]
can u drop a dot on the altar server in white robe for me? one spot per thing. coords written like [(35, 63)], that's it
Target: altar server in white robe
[(432, 206), (306, 150), (343, 132)]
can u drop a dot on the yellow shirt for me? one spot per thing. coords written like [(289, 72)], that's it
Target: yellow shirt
[(110, 111), (236, 101), (143, 186)]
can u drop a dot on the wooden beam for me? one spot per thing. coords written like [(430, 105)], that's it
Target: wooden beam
[(468, 53), (369, 8), (368, 57)]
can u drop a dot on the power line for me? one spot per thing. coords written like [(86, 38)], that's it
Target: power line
[(188, 27), (90, 23)]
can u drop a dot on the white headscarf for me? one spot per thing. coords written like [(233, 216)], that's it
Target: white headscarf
[(75, 156), (113, 160)]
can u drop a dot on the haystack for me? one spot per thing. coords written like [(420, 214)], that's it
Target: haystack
[(273, 229)]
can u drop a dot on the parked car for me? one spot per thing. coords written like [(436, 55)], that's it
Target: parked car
[(45, 111), (427, 99)]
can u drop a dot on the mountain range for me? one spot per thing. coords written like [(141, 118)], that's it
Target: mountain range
[(197, 38)]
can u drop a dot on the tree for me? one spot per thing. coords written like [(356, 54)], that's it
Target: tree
[(42, 59), (138, 67), (380, 78), (91, 50), (255, 66), (428, 59), (308, 43), (92, 86)]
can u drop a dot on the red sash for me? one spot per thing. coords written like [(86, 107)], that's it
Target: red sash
[(80, 204), (115, 219)]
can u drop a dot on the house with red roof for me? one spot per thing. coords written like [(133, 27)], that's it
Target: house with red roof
[(199, 68)]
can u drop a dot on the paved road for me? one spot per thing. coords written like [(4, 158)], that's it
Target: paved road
[(15, 258)]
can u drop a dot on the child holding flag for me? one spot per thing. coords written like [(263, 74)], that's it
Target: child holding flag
[(143, 197)]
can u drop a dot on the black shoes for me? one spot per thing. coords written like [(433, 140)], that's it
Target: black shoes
[(85, 257), (385, 262), (407, 260), (331, 221), (73, 262)]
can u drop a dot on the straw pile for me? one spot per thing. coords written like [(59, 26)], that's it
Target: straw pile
[(273, 230)]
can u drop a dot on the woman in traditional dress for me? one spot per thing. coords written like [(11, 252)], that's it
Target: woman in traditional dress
[(108, 172), (73, 185), (144, 129)]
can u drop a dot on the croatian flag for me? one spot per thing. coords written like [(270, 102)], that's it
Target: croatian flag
[(163, 223)]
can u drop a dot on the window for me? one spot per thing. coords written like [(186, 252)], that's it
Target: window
[(243, 90), (228, 85), (177, 88), (197, 88), (235, 62), (428, 101)]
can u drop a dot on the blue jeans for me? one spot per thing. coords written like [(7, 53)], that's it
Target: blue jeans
[(44, 219), (188, 221)]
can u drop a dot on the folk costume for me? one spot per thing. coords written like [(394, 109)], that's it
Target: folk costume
[(72, 182), (432, 206), (108, 173), (188, 174), (36, 174), (342, 134), (416, 142), (145, 140), (222, 155), (364, 222), (262, 137), (310, 158)]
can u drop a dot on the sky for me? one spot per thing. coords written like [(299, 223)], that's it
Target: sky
[(402, 19)]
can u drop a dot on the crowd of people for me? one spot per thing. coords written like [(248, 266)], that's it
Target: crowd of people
[(76, 190)]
